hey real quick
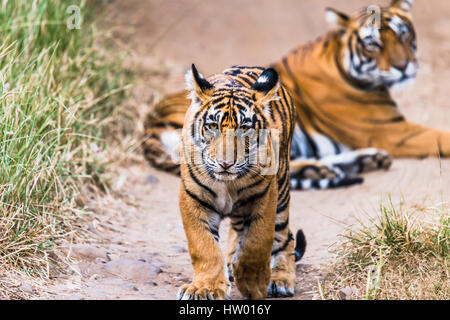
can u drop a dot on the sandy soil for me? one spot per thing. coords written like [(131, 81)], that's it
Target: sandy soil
[(137, 248)]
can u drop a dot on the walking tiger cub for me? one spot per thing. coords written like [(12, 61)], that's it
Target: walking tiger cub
[(235, 147), (340, 85)]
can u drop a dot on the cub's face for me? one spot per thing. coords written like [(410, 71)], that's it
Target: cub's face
[(229, 128), (379, 44)]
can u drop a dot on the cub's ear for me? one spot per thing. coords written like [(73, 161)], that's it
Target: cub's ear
[(266, 87), (336, 19), (197, 85), (404, 5)]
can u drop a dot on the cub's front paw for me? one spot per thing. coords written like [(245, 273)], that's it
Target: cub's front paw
[(252, 281), (280, 288), (203, 292)]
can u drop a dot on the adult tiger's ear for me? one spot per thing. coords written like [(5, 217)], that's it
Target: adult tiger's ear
[(266, 87), (197, 85), (403, 5), (336, 19)]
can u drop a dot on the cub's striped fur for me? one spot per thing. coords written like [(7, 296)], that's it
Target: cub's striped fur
[(235, 109)]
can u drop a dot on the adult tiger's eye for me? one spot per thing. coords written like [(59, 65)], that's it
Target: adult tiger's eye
[(212, 126)]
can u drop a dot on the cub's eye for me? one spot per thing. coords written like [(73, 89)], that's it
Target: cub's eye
[(372, 44), (245, 128), (211, 126)]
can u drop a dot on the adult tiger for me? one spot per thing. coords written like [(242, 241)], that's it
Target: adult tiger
[(340, 86), (251, 110)]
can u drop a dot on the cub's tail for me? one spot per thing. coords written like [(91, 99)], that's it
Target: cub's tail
[(163, 132), (300, 245)]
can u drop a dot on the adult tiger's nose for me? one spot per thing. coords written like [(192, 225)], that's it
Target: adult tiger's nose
[(226, 165)]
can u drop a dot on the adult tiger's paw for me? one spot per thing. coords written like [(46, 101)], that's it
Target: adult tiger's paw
[(319, 172), (252, 282), (203, 292), (280, 288), (374, 159)]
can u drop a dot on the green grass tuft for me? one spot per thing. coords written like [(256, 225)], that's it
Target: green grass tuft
[(57, 97), (401, 254)]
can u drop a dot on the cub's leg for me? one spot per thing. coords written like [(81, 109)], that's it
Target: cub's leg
[(251, 260), (201, 227), (236, 226), (282, 282), (360, 161)]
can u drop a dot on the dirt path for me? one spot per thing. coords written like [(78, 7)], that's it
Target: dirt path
[(138, 248)]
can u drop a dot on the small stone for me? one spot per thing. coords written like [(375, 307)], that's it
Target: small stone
[(347, 293), (182, 279), (151, 283), (179, 249), (80, 201), (94, 277), (87, 252), (112, 256), (151, 179), (25, 287), (128, 286), (100, 260), (153, 254), (304, 268)]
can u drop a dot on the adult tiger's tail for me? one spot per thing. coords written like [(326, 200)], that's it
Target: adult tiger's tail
[(163, 132)]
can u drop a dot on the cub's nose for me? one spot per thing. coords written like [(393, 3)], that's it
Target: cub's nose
[(402, 65), (225, 165)]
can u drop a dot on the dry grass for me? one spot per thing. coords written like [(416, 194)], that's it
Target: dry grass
[(401, 254), (60, 98)]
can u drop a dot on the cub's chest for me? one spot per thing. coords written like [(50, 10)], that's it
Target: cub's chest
[(225, 199)]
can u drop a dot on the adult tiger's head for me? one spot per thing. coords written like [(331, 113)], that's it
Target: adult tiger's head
[(378, 44), (228, 121)]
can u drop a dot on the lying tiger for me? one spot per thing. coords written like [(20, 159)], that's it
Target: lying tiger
[(229, 110), (346, 117)]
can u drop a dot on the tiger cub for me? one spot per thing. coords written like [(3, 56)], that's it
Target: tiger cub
[(235, 147)]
